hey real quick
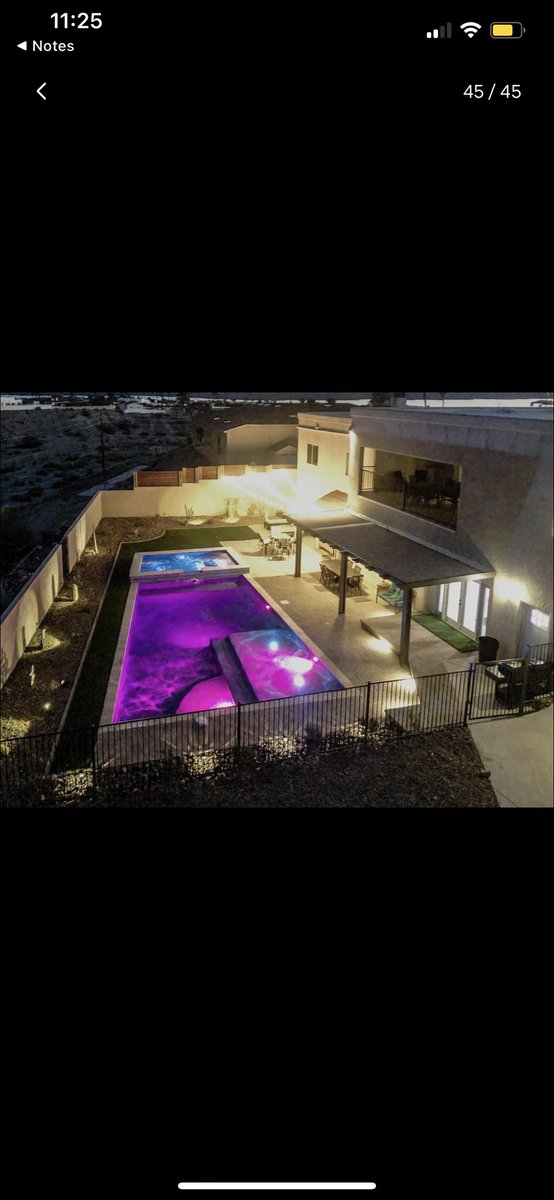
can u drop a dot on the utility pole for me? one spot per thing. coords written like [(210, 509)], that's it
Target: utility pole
[(102, 449)]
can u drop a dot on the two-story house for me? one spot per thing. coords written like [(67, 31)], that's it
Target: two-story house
[(454, 504)]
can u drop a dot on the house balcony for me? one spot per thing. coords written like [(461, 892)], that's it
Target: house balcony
[(434, 501)]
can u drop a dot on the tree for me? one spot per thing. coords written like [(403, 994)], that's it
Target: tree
[(381, 399)]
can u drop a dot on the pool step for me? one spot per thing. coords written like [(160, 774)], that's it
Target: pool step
[(232, 671)]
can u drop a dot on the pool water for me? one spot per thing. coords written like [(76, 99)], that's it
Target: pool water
[(187, 560), (196, 645)]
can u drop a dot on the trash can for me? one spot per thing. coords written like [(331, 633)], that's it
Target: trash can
[(488, 649)]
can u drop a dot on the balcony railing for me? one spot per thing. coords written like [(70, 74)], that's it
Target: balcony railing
[(436, 502)]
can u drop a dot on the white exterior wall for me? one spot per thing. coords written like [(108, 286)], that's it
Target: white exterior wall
[(29, 608), (23, 617), (80, 533), (505, 509), (333, 442), (207, 497)]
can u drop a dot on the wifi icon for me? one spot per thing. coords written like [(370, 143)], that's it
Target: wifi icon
[(471, 28)]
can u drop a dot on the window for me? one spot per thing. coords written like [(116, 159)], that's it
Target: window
[(347, 463), (189, 475), (230, 469), (312, 456), (540, 619), (208, 472)]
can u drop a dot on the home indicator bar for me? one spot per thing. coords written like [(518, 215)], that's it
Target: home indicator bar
[(277, 1187)]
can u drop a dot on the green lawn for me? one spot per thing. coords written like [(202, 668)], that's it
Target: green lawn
[(87, 703)]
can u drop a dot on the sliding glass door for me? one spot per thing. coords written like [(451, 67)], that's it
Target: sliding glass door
[(453, 603)]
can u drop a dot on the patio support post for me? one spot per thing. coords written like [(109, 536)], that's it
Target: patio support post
[(342, 582), (298, 558), (405, 631)]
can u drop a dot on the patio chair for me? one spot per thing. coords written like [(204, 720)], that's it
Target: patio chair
[(355, 581)]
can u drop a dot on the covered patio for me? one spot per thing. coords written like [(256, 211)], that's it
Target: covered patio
[(406, 563)]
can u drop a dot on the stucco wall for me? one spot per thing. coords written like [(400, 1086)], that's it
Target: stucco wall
[(80, 533), (505, 509), (329, 474), (29, 608), (22, 619), (207, 498)]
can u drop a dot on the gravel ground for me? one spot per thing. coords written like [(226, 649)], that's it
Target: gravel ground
[(433, 770)]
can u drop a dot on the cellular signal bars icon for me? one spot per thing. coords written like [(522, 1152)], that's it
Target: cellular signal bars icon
[(441, 32)]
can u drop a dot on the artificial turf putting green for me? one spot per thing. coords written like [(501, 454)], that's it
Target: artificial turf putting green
[(87, 703), (441, 629)]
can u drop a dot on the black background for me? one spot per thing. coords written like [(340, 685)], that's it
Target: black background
[(268, 200)]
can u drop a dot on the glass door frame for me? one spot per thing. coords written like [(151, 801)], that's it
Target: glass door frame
[(485, 585)]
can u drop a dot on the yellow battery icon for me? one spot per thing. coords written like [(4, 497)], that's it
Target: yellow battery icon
[(507, 29)]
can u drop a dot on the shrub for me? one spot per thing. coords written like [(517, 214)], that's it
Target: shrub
[(29, 442)]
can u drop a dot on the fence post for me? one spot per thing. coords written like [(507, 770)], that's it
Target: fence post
[(469, 694), (524, 680), (93, 750), (238, 732), (367, 700)]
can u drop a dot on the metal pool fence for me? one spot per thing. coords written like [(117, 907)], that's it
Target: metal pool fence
[(111, 761)]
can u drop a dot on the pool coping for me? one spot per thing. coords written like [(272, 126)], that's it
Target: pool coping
[(112, 689), (110, 699), (206, 572)]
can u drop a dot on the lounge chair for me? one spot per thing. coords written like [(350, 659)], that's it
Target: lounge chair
[(394, 597)]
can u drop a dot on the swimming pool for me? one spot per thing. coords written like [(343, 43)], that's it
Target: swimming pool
[(185, 563), (212, 643)]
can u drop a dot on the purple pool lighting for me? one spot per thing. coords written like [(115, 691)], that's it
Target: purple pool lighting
[(186, 560), (211, 644)]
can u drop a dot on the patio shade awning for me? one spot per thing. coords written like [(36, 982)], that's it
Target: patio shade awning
[(392, 555)]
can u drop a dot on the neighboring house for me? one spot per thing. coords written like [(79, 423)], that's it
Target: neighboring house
[(237, 449), (206, 478), (474, 486), (18, 402)]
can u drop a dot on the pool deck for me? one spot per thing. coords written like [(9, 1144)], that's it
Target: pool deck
[(341, 639)]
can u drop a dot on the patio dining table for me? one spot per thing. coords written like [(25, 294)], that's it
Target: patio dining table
[(353, 576)]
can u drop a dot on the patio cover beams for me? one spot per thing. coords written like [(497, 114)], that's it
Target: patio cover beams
[(394, 556)]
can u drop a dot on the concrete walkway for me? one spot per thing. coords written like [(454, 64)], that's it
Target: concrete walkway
[(518, 752), (341, 639)]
